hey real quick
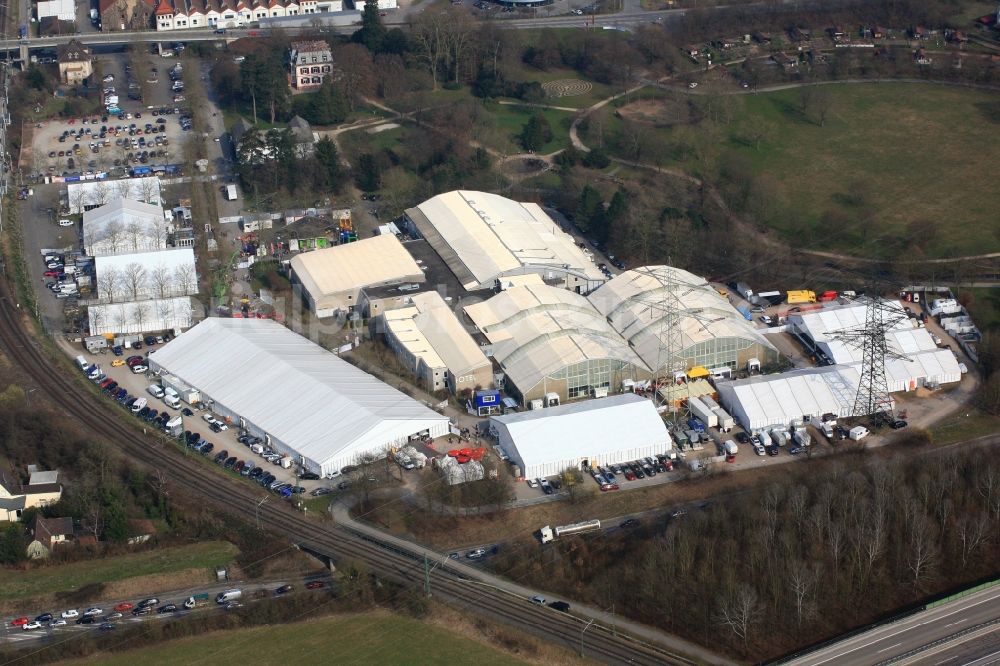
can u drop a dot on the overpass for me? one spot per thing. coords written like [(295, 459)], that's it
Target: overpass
[(24, 46)]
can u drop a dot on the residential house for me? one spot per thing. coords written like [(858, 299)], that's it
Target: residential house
[(787, 62), (797, 34), (184, 14), (839, 34), (75, 64), (14, 497), (761, 37), (920, 32), (126, 14), (879, 32), (140, 531), (302, 137), (920, 57), (692, 50), (310, 63), (47, 533)]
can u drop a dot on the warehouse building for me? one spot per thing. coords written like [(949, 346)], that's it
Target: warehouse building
[(158, 314), (144, 275), (484, 237), (610, 430), (429, 340), (660, 308), (766, 401), (331, 279), (303, 400), (551, 344), (923, 363), (124, 226)]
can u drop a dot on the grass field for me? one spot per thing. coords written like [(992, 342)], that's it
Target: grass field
[(917, 150), (68, 577), (510, 120), (371, 638)]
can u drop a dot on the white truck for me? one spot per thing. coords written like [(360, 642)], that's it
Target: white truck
[(824, 425), (189, 395), (228, 595), (703, 413), (801, 437), (730, 448), (231, 193), (857, 433), (548, 534), (779, 437)]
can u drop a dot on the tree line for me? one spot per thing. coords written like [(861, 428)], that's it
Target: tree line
[(764, 572)]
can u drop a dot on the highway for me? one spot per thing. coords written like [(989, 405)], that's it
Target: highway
[(931, 633)]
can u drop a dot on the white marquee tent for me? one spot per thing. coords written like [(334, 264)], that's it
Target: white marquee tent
[(160, 314), (605, 431), (304, 400)]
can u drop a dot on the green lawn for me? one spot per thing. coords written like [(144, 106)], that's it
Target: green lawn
[(965, 424), (73, 576), (510, 120), (371, 638), (919, 151)]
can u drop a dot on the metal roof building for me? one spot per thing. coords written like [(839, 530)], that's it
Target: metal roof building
[(550, 340), (658, 307), (302, 399), (610, 430), (124, 226), (143, 275), (434, 345), (158, 314), (332, 278), (764, 401), (924, 361), (483, 237)]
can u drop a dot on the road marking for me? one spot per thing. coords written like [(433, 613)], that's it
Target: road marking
[(890, 647), (984, 660), (946, 661)]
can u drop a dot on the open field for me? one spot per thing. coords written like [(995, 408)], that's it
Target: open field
[(370, 638), (75, 575), (902, 167), (510, 120)]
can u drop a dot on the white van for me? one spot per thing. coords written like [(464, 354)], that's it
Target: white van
[(138, 405), (81, 362), (857, 433), (257, 448), (227, 596), (172, 401), (154, 390)]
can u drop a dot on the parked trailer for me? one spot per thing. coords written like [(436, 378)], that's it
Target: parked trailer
[(704, 414), (801, 437), (548, 534), (778, 437), (95, 343), (189, 395), (730, 448), (766, 298), (726, 422)]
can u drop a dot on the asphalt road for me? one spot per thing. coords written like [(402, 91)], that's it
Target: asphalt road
[(251, 592), (919, 631)]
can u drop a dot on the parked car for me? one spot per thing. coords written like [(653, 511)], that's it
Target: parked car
[(70, 614), (93, 611), (124, 606), (284, 589), (315, 585), (44, 617), (168, 608), (19, 622), (476, 554)]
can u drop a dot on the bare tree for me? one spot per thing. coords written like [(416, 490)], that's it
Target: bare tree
[(921, 552), (77, 200), (162, 280), (802, 585), (134, 278), (109, 282), (973, 532), (98, 317), (133, 233), (102, 193), (148, 187), (428, 34), (142, 310), (122, 188), (114, 234), (739, 610), (118, 317), (158, 231), (185, 279)]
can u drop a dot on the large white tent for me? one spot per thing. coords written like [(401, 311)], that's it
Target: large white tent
[(605, 431), (158, 314), (304, 400), (124, 226), (776, 400), (140, 275), (924, 362)]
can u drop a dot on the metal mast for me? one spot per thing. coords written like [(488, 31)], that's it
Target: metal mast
[(873, 388)]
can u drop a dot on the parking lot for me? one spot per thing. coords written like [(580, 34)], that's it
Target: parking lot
[(193, 418)]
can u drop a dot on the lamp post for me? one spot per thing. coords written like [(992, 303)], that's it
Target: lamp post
[(581, 635), (257, 510)]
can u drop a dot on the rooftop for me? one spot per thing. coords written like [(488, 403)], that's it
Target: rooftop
[(343, 268)]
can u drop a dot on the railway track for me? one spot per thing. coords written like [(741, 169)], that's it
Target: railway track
[(393, 559)]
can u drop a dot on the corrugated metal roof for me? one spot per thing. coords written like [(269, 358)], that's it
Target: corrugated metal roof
[(314, 402), (346, 268), (489, 235), (431, 331)]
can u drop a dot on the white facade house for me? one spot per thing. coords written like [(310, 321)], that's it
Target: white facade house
[(605, 431), (146, 275), (89, 194), (382, 4), (124, 226), (301, 399), (157, 314)]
